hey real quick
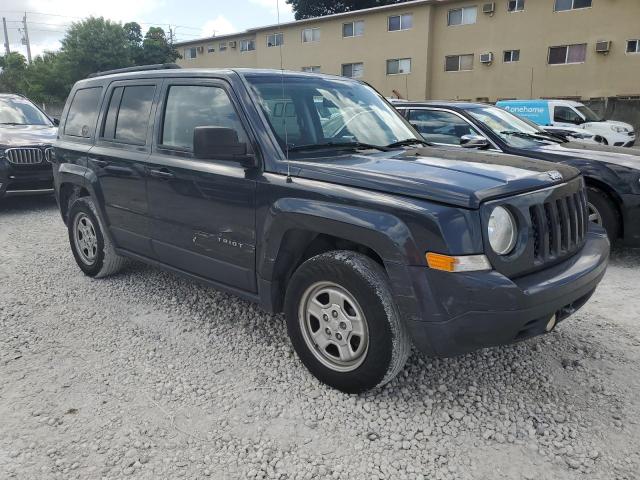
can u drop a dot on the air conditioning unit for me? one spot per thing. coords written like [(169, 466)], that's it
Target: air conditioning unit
[(233, 44), (489, 7), (200, 49), (603, 46), (486, 57)]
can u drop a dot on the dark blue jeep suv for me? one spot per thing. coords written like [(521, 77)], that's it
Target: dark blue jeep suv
[(311, 195)]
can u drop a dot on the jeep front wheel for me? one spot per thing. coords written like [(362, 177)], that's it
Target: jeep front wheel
[(343, 322)]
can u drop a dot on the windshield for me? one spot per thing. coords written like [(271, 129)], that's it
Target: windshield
[(20, 111), (512, 129), (320, 112), (589, 114)]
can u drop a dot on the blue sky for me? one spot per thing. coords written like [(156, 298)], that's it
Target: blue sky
[(47, 20)]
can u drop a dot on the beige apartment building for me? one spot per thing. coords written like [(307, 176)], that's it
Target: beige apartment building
[(452, 49)]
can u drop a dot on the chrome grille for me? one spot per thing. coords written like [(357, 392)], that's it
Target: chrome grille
[(24, 156), (48, 154), (559, 226)]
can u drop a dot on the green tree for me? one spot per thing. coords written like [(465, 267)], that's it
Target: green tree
[(134, 41), (156, 48), (47, 79), (317, 8), (12, 77)]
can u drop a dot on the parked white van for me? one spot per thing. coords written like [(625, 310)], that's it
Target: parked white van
[(566, 113)]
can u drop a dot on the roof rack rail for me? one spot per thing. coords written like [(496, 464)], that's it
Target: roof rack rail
[(141, 68)]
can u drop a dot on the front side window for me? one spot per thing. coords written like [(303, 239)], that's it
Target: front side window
[(128, 113), (564, 5), (83, 113), (438, 126), (633, 46), (191, 106), (400, 22), (515, 5), (190, 53), (459, 63), (247, 45), (353, 70), (275, 40), (567, 54), (311, 69), (463, 16), (20, 111), (319, 113), (353, 29), (566, 115), (310, 35), (511, 56), (398, 66)]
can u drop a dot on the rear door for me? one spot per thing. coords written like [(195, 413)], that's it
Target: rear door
[(203, 211), (119, 158)]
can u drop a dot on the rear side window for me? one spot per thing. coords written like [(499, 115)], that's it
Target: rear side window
[(128, 114), (191, 106), (83, 113)]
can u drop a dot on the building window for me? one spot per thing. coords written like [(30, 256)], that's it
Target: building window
[(463, 16), (222, 46), (398, 66), (310, 35), (564, 5), (352, 70), (210, 49), (190, 53), (275, 40), (353, 29), (633, 46), (515, 5), (459, 63), (247, 45), (511, 56), (400, 22), (567, 54), (311, 69)]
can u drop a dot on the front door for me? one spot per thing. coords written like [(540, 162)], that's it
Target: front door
[(203, 211)]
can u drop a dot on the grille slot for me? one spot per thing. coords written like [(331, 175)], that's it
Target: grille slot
[(24, 156), (559, 226)]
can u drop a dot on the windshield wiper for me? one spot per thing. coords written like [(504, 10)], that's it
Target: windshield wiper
[(321, 146), (540, 136), (12, 123), (409, 141)]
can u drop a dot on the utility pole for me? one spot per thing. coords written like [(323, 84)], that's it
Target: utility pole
[(7, 49), (26, 37)]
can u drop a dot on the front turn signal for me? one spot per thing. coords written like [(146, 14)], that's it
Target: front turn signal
[(461, 263)]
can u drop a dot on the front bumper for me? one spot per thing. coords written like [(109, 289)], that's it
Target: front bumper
[(462, 312), (27, 180)]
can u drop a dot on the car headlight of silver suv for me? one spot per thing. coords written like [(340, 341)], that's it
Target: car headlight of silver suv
[(502, 231)]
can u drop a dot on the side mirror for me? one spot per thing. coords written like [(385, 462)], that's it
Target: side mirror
[(474, 141), (55, 120), (220, 143)]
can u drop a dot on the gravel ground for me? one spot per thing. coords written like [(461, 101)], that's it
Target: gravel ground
[(151, 376)]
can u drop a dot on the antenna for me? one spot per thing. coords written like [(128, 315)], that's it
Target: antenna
[(284, 118)]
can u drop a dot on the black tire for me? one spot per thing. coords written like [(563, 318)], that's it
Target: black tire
[(606, 210), (104, 261), (365, 280)]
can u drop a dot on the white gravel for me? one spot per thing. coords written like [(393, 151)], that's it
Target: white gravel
[(146, 375)]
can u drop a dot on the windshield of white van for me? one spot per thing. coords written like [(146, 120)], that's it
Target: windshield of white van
[(589, 114), (512, 129), (315, 113)]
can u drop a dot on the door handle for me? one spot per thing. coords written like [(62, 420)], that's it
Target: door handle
[(100, 163), (118, 170), (162, 173)]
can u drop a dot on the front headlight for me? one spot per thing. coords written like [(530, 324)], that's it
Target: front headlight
[(502, 231), (618, 129)]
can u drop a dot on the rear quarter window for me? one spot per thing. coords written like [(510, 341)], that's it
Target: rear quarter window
[(83, 113)]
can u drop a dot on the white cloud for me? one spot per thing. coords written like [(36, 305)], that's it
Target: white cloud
[(218, 26), (273, 5)]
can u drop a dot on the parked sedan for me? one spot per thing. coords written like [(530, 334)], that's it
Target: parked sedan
[(26, 136), (612, 174)]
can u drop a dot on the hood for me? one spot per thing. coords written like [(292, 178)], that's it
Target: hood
[(624, 157), (457, 177), (607, 123), (26, 135)]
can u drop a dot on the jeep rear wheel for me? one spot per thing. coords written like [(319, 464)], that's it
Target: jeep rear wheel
[(343, 322), (91, 248)]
